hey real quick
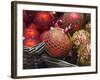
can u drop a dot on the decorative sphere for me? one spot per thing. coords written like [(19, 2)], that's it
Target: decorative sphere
[(30, 42), (31, 32), (42, 36), (73, 19), (43, 18), (57, 42)]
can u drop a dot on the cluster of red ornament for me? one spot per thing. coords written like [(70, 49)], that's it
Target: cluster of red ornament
[(38, 23), (35, 23)]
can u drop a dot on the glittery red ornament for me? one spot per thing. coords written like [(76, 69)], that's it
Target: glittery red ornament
[(57, 42), (31, 32), (30, 42), (43, 18)]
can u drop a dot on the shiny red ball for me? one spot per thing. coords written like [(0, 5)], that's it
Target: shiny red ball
[(75, 27), (73, 17), (73, 20), (42, 36), (30, 32), (43, 18), (30, 42)]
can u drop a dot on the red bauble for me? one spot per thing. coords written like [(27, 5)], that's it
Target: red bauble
[(57, 42), (43, 18), (75, 27), (42, 36), (73, 19), (31, 32), (30, 42)]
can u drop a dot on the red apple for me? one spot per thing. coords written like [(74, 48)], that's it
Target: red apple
[(30, 42)]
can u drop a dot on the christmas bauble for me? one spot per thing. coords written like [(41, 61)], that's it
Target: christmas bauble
[(42, 36), (31, 32), (75, 27), (84, 55), (43, 18), (73, 19), (57, 42), (80, 37), (30, 42)]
